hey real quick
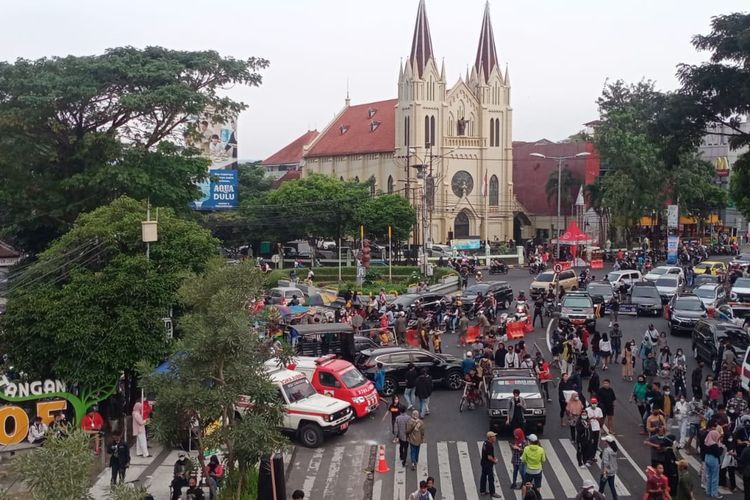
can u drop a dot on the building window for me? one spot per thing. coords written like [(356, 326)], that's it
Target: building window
[(390, 184), (492, 132), (432, 130), (406, 130), (426, 130), (494, 191), (497, 132), (461, 225)]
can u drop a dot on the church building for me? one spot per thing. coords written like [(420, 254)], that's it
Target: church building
[(447, 149)]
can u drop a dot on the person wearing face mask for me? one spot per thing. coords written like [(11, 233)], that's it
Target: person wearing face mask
[(583, 441), (596, 417), (574, 410), (182, 469), (516, 410), (668, 407), (639, 397), (683, 422)]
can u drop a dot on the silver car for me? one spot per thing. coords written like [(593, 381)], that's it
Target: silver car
[(668, 286)]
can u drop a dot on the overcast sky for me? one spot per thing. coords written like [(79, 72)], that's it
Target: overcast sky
[(560, 52)]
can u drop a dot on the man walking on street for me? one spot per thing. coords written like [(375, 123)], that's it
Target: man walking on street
[(411, 384), (120, 459), (403, 440), (423, 391), (400, 328), (488, 462), (415, 435), (539, 311)]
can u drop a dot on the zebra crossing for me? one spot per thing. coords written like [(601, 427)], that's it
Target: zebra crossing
[(343, 471)]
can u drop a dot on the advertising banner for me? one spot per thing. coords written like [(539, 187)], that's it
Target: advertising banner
[(672, 243), (672, 216), (216, 141), (466, 244), (219, 191)]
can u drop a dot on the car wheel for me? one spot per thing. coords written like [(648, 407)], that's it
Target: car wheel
[(389, 387), (695, 353), (454, 381), (311, 435)]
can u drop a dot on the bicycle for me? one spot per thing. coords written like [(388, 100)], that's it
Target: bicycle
[(470, 398)]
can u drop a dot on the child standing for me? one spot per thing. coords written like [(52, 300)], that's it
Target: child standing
[(437, 342)]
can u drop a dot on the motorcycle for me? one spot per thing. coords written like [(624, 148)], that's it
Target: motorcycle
[(537, 267), (498, 267), (549, 308), (521, 312)]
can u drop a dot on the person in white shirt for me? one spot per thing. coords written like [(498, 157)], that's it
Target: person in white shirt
[(595, 418), (605, 350), (37, 431), (511, 358), (652, 334)]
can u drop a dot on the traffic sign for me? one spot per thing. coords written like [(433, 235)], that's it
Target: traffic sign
[(275, 258), (558, 268)]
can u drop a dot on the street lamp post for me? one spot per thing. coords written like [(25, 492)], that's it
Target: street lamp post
[(559, 187)]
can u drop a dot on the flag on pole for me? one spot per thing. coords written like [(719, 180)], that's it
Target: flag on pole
[(484, 184)]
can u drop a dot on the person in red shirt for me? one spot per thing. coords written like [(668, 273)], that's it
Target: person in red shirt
[(147, 409), (657, 485), (92, 424)]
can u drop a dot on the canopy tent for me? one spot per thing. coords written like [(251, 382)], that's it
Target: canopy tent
[(574, 236)]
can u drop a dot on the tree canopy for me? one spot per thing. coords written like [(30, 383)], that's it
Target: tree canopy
[(218, 360), (80, 131), (92, 305)]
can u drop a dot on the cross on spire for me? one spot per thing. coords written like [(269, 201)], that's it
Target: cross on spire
[(486, 52), (421, 45)]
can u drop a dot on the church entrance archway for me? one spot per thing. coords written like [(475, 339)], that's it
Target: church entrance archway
[(462, 225)]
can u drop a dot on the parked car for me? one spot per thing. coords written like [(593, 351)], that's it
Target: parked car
[(500, 392), (600, 292), (429, 300), (284, 294), (734, 312), (626, 276), (646, 298), (684, 313), (577, 309), (500, 289), (708, 334), (705, 279), (741, 290), (712, 296), (668, 287), (710, 267), (445, 369), (742, 260), (567, 280), (660, 271)]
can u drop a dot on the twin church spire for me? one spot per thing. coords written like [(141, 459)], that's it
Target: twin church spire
[(421, 46)]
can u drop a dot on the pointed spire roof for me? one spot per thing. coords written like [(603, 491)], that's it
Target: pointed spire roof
[(421, 44), (507, 76), (486, 52)]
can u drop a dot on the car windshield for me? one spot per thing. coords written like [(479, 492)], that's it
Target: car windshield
[(577, 302), (298, 389), (660, 270), (475, 289), (546, 277), (742, 283), (702, 279), (689, 305), (505, 387), (612, 277), (645, 291), (666, 281), (405, 300), (352, 378), (706, 293), (738, 338), (741, 312), (599, 289)]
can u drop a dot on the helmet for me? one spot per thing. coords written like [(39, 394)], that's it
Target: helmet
[(469, 354)]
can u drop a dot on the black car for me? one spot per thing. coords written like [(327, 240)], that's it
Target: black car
[(500, 391), (708, 334), (429, 300), (444, 368), (500, 289), (684, 313), (600, 292), (645, 296)]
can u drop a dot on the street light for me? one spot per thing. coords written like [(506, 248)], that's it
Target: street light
[(559, 184)]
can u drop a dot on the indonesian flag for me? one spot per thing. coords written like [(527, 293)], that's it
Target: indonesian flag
[(484, 184)]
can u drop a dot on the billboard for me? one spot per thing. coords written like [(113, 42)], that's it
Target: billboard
[(216, 141), (673, 242), (672, 216), (219, 191)]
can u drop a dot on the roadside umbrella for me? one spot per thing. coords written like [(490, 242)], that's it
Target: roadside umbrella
[(321, 299)]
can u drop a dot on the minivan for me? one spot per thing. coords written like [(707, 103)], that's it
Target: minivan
[(567, 280), (628, 276)]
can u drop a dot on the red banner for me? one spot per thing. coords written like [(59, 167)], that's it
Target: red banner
[(597, 264)]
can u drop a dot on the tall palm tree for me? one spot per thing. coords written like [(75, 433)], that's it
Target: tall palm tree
[(568, 182)]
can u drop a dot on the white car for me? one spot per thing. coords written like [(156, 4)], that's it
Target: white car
[(668, 286), (741, 290), (712, 296), (660, 271), (742, 260)]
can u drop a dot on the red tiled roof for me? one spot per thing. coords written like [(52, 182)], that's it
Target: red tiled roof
[(530, 174), (292, 152), (6, 251), (290, 175), (358, 136)]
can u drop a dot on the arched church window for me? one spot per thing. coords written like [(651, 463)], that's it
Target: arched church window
[(390, 184), (492, 132), (494, 191), (497, 132), (432, 130)]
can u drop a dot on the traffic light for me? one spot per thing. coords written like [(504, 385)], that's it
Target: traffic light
[(366, 254)]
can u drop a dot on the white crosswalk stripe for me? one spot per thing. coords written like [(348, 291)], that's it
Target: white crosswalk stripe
[(337, 472)]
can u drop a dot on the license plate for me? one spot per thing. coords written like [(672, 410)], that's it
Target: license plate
[(344, 426)]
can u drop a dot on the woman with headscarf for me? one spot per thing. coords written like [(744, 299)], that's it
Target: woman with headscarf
[(714, 448), (517, 446), (139, 430), (573, 410)]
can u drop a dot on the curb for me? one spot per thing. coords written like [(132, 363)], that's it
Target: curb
[(370, 479)]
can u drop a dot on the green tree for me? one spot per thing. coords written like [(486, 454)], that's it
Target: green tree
[(377, 213), (568, 190), (219, 359), (92, 305), (78, 132), (717, 92), (252, 180), (59, 469)]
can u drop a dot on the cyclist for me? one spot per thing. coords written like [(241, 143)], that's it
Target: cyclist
[(471, 392)]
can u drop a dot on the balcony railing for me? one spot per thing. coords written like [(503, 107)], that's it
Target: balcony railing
[(464, 142)]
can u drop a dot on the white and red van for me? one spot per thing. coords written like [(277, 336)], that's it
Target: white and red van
[(339, 379)]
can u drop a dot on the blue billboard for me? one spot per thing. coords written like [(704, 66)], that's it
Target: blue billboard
[(219, 191), (673, 243)]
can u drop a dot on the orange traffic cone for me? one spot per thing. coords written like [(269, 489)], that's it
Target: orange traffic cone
[(382, 464)]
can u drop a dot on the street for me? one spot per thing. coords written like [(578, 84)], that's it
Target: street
[(451, 452)]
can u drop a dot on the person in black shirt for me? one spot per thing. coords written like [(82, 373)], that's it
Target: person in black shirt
[(696, 381), (538, 311), (607, 398), (488, 462), (120, 459)]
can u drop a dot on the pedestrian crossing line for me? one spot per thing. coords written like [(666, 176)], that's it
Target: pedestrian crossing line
[(498, 489), (695, 464), (357, 461), (445, 482), (312, 469), (627, 455), (377, 489), (620, 488), (422, 467), (567, 485), (333, 472), (466, 472), (399, 478), (507, 454)]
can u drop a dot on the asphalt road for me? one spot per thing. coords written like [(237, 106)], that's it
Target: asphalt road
[(340, 469)]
